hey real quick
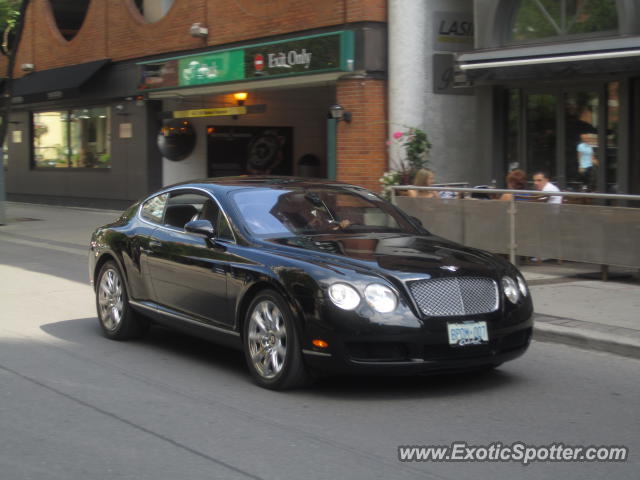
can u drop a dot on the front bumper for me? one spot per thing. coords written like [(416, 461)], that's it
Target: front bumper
[(426, 357), (414, 345)]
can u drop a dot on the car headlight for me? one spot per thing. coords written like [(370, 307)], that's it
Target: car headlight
[(522, 285), (344, 296), (510, 289), (381, 298)]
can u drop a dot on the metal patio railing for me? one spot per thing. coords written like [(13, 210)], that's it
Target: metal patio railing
[(590, 233)]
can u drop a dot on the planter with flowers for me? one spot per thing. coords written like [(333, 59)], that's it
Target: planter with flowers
[(415, 146)]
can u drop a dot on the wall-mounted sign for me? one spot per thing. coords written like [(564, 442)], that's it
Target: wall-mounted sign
[(453, 31), (211, 68), (443, 76), (159, 75), (126, 130), (298, 56), (17, 136), (210, 112), (293, 57)]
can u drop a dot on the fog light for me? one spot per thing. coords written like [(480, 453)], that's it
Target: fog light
[(319, 343)]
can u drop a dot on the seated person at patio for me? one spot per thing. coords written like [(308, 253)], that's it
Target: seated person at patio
[(516, 180), (542, 183), (423, 178)]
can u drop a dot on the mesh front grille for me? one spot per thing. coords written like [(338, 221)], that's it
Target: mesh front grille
[(447, 297)]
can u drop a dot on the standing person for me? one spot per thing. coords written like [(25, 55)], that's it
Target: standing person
[(587, 161), (542, 183), (423, 178)]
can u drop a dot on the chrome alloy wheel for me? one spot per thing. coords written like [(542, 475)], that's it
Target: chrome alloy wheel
[(267, 339), (110, 299)]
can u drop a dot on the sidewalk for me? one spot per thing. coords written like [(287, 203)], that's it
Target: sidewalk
[(573, 306)]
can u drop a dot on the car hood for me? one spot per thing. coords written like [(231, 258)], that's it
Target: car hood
[(403, 254)]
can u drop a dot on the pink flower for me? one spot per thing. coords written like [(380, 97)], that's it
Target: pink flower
[(398, 135)]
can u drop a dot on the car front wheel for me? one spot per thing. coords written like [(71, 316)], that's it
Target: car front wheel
[(271, 345), (117, 319)]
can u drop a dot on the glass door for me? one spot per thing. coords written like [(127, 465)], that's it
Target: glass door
[(569, 133)]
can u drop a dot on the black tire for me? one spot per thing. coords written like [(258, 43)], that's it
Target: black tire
[(116, 317), (273, 353)]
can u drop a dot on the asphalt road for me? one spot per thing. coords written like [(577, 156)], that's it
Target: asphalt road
[(74, 405)]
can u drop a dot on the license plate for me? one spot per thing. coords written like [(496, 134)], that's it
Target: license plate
[(469, 333)]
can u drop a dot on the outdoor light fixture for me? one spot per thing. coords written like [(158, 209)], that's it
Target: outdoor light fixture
[(198, 30), (337, 112), (240, 97), (27, 67), (120, 110)]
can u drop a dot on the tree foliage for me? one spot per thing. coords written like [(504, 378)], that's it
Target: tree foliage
[(9, 11)]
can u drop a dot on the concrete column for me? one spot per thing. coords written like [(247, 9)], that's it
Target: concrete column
[(407, 69), (448, 119)]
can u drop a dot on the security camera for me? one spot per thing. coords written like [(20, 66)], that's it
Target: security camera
[(198, 30)]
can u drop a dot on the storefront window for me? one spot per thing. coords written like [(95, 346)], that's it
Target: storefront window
[(613, 120), (78, 138), (550, 19), (541, 134), (513, 127)]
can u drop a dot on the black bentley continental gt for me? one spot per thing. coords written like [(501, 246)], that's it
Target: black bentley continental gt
[(306, 276)]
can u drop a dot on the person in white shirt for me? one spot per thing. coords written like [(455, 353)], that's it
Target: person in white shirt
[(542, 183)]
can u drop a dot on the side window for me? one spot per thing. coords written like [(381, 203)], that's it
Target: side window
[(153, 209), (210, 211), (184, 206), (223, 229)]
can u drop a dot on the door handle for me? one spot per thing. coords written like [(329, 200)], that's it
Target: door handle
[(150, 247)]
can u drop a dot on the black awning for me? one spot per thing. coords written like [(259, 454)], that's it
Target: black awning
[(54, 83), (551, 61)]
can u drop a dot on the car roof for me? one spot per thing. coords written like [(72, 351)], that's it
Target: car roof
[(220, 184)]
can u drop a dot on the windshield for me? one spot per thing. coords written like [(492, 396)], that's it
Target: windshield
[(270, 212)]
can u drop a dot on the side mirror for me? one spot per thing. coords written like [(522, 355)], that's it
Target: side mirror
[(201, 227)]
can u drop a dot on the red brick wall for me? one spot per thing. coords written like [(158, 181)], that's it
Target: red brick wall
[(361, 144), (44, 46), (115, 29), (130, 36)]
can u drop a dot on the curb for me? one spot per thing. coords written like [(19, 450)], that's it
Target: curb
[(589, 340)]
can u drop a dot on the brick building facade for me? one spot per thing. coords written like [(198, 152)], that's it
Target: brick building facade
[(73, 113)]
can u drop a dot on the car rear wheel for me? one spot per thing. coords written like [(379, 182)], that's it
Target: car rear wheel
[(271, 344), (117, 319)]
